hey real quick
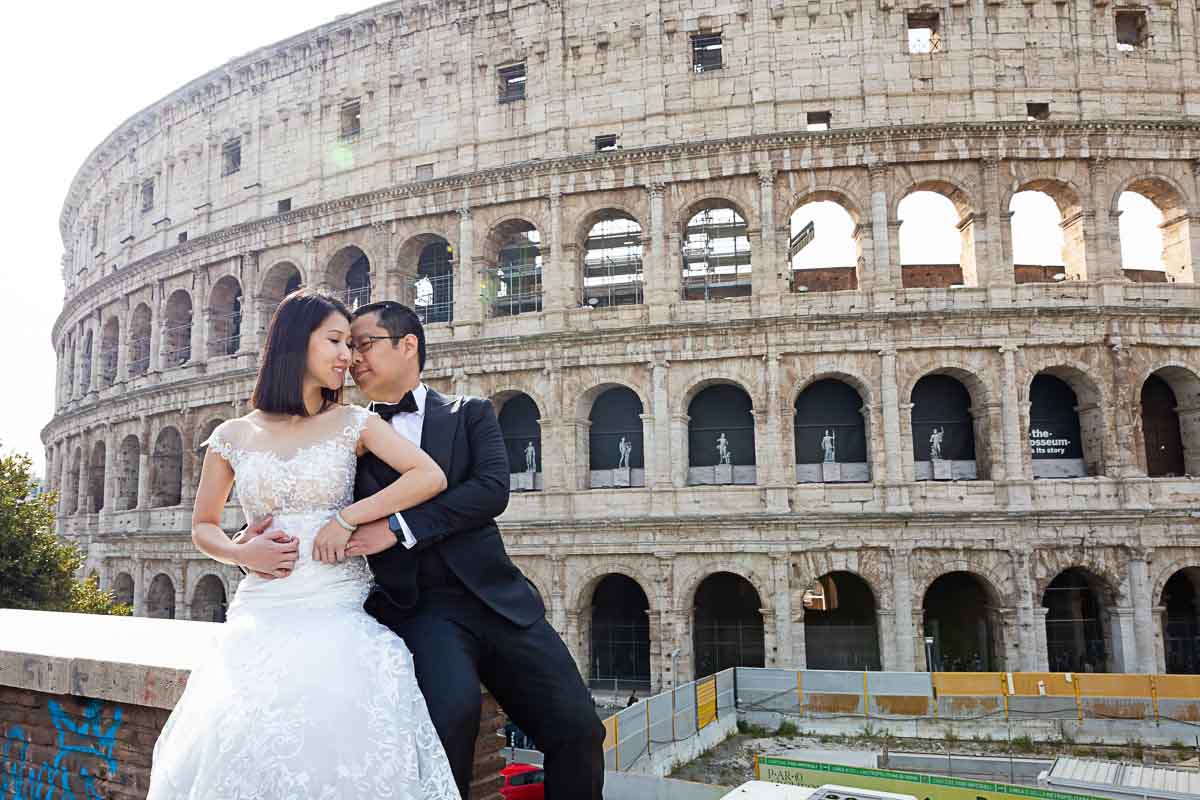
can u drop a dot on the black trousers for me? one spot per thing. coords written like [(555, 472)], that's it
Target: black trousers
[(458, 643)]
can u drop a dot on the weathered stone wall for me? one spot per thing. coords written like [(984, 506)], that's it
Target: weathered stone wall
[(953, 122)]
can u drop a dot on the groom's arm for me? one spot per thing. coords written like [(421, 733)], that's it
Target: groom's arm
[(480, 498)]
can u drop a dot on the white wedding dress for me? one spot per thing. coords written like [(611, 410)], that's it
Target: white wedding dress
[(303, 694)]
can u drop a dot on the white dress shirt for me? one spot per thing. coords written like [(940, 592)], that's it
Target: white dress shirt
[(409, 424)]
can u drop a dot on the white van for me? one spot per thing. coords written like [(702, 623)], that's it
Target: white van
[(763, 790)]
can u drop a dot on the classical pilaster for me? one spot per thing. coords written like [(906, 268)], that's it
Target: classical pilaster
[(467, 308), (897, 495), (1143, 615), (766, 271), (902, 598), (656, 264), (660, 461), (885, 277)]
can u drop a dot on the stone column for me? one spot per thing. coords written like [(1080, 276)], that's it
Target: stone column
[(156, 325), (557, 276), (768, 289), (139, 589), (1158, 616), (1016, 454), (1031, 626), (1041, 661), (902, 599), (1102, 232), (1143, 615), (885, 278), (110, 471), (657, 267), (888, 649), (467, 310), (897, 494), (1124, 640), (781, 573), (992, 269), (659, 452)]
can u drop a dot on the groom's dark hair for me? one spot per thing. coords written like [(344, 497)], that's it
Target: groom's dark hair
[(399, 321)]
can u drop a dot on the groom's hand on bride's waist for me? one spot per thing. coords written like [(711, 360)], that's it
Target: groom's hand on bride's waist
[(372, 538)]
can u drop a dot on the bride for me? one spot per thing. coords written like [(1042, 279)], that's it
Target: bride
[(303, 695)]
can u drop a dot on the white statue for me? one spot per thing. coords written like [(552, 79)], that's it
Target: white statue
[(625, 447), (530, 458), (723, 449), (935, 444), (828, 446)]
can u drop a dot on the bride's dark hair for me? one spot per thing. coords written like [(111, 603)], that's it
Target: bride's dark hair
[(279, 388)]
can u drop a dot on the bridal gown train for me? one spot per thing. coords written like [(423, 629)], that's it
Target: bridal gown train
[(303, 695)]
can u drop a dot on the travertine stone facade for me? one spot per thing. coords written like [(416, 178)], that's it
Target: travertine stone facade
[(384, 131)]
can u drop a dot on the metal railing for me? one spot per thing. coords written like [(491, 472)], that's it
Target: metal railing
[(177, 344), (512, 289), (613, 282), (226, 334), (108, 366), (139, 355), (433, 298)]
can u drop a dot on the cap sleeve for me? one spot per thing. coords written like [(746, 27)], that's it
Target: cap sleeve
[(221, 442), (356, 421)]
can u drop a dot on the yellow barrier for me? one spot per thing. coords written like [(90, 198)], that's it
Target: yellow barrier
[(1177, 687), (1103, 685), (1048, 684), (610, 732), (969, 684), (706, 702)]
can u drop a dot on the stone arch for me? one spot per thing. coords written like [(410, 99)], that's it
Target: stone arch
[(209, 599), (1184, 383), (350, 274), (740, 603), (166, 472), (160, 597), (176, 343), (426, 284), (1162, 190), (698, 383), (998, 585), (1180, 603), (585, 583), (952, 614), (1080, 631), (514, 254), (1174, 203), (502, 395), (608, 254), (823, 195), (704, 198), (838, 633), (504, 227), (225, 311), (721, 271), (618, 638), (949, 188), (978, 450), (1065, 193), (600, 384), (1167, 571), (110, 345), (122, 588), (920, 273), (519, 416), (97, 476), (852, 379), (966, 374), (1068, 199), (128, 469), (1091, 408), (85, 371), (586, 219), (831, 433), (685, 598), (140, 321), (277, 278)]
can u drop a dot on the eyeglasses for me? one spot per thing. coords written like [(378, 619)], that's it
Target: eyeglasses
[(365, 344)]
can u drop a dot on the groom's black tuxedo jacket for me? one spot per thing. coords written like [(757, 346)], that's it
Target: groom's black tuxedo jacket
[(462, 435)]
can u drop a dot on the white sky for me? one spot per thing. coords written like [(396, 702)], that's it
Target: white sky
[(71, 74)]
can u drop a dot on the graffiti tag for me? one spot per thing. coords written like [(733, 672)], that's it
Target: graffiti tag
[(86, 742)]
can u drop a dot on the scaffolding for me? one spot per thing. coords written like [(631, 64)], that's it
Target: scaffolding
[(177, 344), (433, 298), (716, 256), (514, 288), (613, 281), (355, 296), (227, 334)]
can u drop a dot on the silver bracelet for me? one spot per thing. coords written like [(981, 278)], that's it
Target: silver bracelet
[(337, 516)]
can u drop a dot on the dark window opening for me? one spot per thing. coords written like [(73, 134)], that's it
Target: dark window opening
[(94, 234), (512, 83), (924, 33), (606, 142), (819, 120), (147, 195), (351, 119), (231, 157), (424, 172), (1037, 112), (706, 53), (283, 206), (182, 237), (1132, 29)]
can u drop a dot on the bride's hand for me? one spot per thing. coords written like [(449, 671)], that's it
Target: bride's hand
[(330, 544), (269, 555)]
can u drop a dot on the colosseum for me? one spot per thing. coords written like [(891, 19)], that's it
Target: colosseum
[(723, 450)]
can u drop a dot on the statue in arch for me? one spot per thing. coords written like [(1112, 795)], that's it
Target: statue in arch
[(530, 458), (935, 443), (624, 449), (829, 446), (723, 451)]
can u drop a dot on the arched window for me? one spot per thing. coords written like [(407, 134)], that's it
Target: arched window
[(350, 275), (1172, 439), (1155, 231), (721, 437), (620, 657), (160, 599), (937, 240), (139, 341), (1078, 628), (96, 477), (830, 434), (519, 423), (943, 430), (1181, 622), (824, 248), (962, 619), (225, 318), (208, 600), (616, 450), (128, 465), (1054, 432), (728, 628), (840, 628), (85, 371), (514, 285), (122, 589), (1039, 245), (716, 255), (434, 288), (109, 346), (612, 261), (167, 474), (177, 333)]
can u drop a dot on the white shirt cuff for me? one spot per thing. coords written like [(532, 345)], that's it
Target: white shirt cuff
[(409, 541)]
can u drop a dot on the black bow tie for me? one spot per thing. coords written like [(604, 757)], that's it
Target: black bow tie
[(388, 410)]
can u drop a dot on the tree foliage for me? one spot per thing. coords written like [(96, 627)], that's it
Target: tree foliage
[(37, 571)]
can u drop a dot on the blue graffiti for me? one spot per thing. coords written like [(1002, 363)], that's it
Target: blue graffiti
[(65, 777)]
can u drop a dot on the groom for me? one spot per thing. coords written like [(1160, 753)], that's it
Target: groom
[(444, 582)]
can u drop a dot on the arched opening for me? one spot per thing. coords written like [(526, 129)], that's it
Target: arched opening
[(1155, 231), (831, 434), (128, 463), (612, 261), (282, 279), (824, 248), (96, 477), (1039, 239), (225, 318), (71, 488), (728, 626), (721, 436), (615, 446), (85, 366), (1181, 622), (961, 616), (208, 600), (160, 599), (514, 285), (943, 430), (70, 361), (139, 341), (1078, 632), (167, 472), (350, 276), (620, 635), (1055, 438), (122, 588), (520, 425), (937, 238), (433, 290), (1171, 423), (840, 629), (109, 345), (716, 253), (177, 332)]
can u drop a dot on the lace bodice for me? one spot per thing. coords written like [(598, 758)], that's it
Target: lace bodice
[(278, 476)]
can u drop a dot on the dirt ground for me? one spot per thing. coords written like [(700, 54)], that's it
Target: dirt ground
[(731, 763)]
